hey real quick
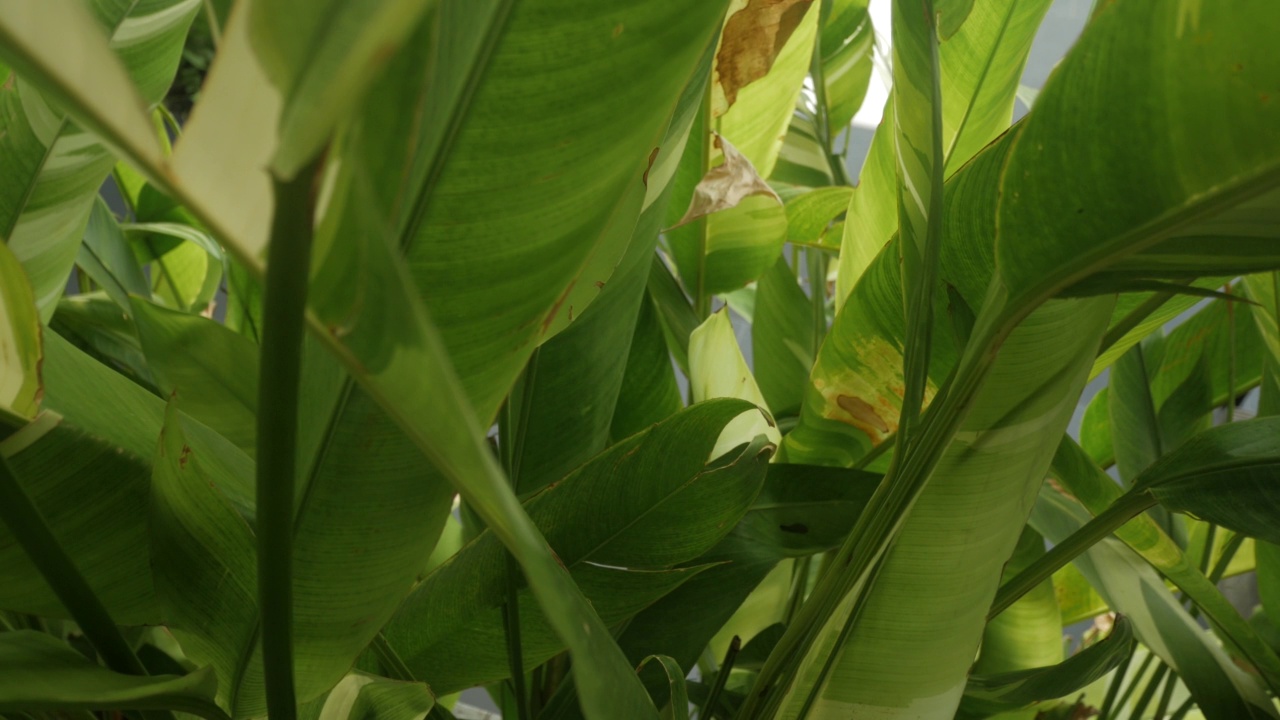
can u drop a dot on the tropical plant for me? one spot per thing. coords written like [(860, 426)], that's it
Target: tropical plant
[(405, 364)]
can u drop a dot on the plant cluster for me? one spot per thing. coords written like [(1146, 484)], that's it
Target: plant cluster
[(406, 363)]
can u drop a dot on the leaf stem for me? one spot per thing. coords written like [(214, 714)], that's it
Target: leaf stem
[(283, 325), (722, 678), (511, 437), (1124, 509)]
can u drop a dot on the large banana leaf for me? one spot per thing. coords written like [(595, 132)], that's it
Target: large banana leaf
[(53, 167), (1194, 176), (991, 471)]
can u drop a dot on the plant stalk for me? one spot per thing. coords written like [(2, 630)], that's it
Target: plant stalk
[(722, 678), (283, 325)]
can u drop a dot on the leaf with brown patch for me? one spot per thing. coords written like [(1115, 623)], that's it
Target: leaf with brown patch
[(752, 39), (725, 185)]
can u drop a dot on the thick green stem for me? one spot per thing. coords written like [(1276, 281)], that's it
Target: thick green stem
[(1120, 512), (283, 325)]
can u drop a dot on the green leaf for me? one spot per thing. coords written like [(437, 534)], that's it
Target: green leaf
[(951, 15), (205, 564), (825, 500), (1096, 491), (1132, 588), (321, 57), (107, 258), (1013, 690), (983, 62), (20, 386), (803, 510), (1209, 179), (214, 370), (42, 674), (1135, 427), (666, 518), (471, 650), (718, 370), (919, 161), (97, 326), (360, 696), (809, 214), (1029, 633), (677, 707), (117, 59), (848, 47), (1226, 475), (782, 339), (649, 393), (802, 162), (580, 372), (89, 473)]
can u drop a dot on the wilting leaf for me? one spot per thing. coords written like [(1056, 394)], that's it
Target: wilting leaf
[(726, 185)]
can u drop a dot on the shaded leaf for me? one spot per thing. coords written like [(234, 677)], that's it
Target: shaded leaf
[(213, 369), (1227, 475), (20, 346), (205, 565), (1009, 691), (43, 674)]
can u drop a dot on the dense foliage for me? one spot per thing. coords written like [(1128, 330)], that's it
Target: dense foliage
[(406, 362)]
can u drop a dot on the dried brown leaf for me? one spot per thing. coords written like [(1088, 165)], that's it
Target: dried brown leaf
[(752, 39), (725, 185)]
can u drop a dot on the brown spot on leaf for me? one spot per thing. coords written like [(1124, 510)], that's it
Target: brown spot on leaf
[(184, 456), (751, 41), (863, 413), (645, 177), (599, 284), (555, 309), (617, 29), (725, 185)]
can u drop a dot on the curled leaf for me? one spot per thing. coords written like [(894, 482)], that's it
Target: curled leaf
[(726, 185)]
